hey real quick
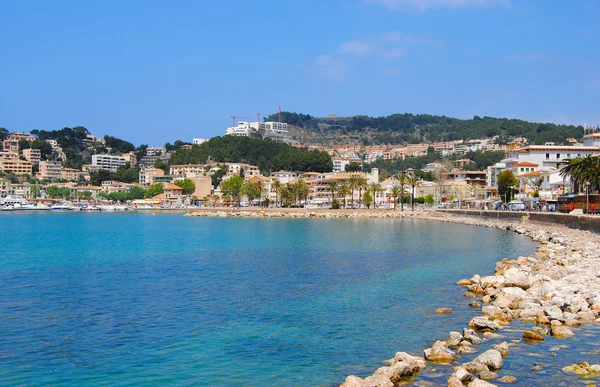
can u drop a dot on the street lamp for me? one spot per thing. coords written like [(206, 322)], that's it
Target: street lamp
[(587, 197)]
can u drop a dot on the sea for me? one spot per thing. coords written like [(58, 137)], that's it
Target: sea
[(142, 299)]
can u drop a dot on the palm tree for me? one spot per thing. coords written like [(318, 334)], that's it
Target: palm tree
[(260, 186), (333, 186), (413, 182), (395, 193), (301, 189), (343, 191), (374, 187), (276, 186), (362, 184), (403, 181), (582, 170), (353, 183)]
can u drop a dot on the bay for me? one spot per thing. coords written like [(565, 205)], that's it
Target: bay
[(130, 299)]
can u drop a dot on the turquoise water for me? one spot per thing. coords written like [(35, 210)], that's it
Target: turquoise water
[(131, 299)]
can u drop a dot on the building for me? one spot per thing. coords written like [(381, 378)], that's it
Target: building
[(549, 157), (53, 144), (242, 129), (198, 141), (70, 174), (11, 163), (50, 170), (148, 161), (188, 170), (109, 186), (33, 155), (340, 163), (156, 151), (22, 136), (130, 158), (284, 176), (173, 193), (107, 162), (274, 127), (10, 145), (147, 175)]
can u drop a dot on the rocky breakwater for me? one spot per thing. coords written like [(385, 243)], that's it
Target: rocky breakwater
[(271, 213), (556, 288)]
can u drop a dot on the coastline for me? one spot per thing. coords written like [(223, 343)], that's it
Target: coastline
[(554, 289)]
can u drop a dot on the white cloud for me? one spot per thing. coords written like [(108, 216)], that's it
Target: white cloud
[(355, 47), (395, 52), (424, 5), (329, 67)]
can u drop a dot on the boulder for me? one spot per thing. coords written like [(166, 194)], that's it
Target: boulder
[(443, 310), (531, 336), (507, 379), (491, 358), (413, 361), (378, 381), (518, 278), (454, 339), (475, 368), (511, 297), (439, 352), (480, 383), (492, 280), (483, 323), (554, 313), (502, 348), (462, 374), (454, 382), (465, 349), (488, 375), (561, 332), (354, 381)]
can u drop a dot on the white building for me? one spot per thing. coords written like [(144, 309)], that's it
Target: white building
[(274, 127), (198, 141), (245, 128), (242, 129), (108, 162)]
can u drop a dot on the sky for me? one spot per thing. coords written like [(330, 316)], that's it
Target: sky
[(152, 71)]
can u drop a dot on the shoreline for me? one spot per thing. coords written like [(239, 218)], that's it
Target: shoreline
[(555, 288)]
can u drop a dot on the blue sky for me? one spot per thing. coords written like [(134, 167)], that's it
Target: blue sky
[(157, 71)]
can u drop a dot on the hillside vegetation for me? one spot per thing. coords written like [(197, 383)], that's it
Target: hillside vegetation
[(418, 128)]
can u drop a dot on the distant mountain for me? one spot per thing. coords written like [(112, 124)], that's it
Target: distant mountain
[(418, 128)]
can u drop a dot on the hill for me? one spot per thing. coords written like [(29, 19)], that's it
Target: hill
[(410, 128)]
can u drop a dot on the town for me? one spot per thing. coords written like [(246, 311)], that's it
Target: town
[(34, 169)]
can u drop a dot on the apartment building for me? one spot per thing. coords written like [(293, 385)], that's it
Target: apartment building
[(70, 174), (22, 136), (130, 158), (10, 145), (33, 155), (107, 162), (11, 163), (148, 175), (188, 170), (198, 141), (50, 170)]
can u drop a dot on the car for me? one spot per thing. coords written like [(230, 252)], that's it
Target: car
[(516, 205)]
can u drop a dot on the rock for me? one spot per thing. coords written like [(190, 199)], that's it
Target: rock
[(492, 335), (440, 353), (454, 339), (469, 295), (462, 374), (540, 331), (486, 299), (475, 368), (443, 310), (492, 280), (502, 348), (401, 370), (413, 361), (531, 314), (594, 368), (507, 379), (474, 304), (378, 381), (488, 375), (464, 282), (530, 336), (454, 382), (561, 332), (517, 278), (483, 323), (586, 316), (536, 368), (354, 381), (465, 349), (480, 383), (491, 358), (554, 313), (511, 297)]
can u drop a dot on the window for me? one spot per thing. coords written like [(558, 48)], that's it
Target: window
[(558, 156), (547, 156)]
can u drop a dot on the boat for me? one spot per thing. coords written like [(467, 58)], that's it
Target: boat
[(6, 208), (63, 206), (30, 207), (11, 200)]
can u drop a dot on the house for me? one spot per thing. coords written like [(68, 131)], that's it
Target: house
[(173, 193)]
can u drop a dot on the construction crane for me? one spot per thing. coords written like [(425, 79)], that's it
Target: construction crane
[(233, 117)]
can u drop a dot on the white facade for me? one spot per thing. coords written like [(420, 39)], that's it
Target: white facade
[(551, 156), (245, 128), (591, 135), (274, 127), (241, 130), (198, 141), (108, 162)]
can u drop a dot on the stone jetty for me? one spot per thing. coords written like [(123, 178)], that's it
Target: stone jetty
[(555, 289)]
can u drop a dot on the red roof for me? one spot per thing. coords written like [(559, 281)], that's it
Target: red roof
[(526, 164)]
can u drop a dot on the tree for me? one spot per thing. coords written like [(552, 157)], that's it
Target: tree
[(333, 186), (368, 199), (396, 190), (276, 187), (535, 183), (136, 192), (353, 183), (251, 190), (4, 133), (506, 184), (374, 188), (362, 184), (232, 187), (154, 189), (440, 174), (301, 189), (582, 170), (343, 191), (162, 165), (352, 167), (403, 182), (188, 185), (413, 182)]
